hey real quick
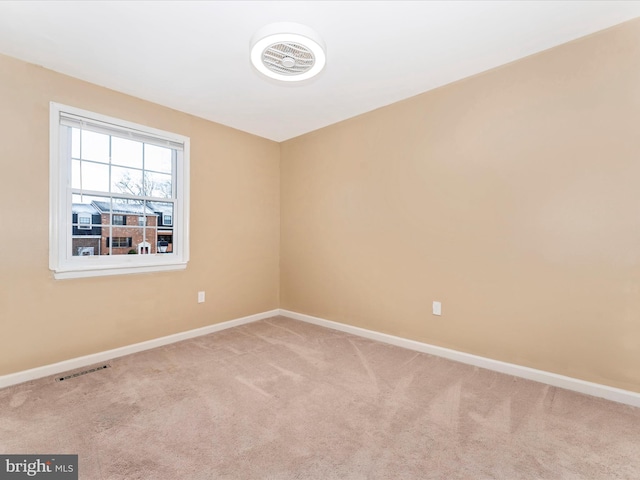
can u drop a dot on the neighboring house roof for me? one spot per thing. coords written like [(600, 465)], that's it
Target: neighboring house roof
[(83, 208), (166, 208), (124, 208)]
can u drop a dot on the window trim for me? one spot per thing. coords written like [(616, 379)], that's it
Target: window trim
[(61, 261), (164, 220)]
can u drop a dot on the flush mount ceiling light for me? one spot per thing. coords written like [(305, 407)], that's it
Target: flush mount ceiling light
[(289, 52)]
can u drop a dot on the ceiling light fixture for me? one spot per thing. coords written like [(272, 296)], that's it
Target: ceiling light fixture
[(288, 52)]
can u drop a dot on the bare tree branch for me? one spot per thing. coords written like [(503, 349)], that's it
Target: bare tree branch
[(149, 188)]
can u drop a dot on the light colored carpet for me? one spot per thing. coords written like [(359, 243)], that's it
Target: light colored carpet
[(282, 399)]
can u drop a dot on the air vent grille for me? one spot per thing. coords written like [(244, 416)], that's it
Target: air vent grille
[(288, 58), (84, 372)]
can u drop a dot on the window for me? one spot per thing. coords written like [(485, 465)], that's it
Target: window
[(115, 169), (119, 242), (166, 220), (84, 222)]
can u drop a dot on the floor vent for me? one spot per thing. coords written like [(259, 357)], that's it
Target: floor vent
[(84, 372)]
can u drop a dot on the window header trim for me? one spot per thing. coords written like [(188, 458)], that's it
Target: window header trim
[(83, 123)]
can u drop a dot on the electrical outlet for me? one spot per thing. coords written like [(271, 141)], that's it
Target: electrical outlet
[(437, 308), (200, 297)]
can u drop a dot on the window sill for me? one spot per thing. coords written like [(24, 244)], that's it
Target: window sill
[(128, 270)]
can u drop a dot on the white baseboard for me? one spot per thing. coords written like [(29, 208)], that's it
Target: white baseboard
[(594, 389), (79, 362), (589, 388)]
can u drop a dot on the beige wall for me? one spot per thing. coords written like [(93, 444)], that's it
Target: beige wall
[(513, 197), (234, 242)]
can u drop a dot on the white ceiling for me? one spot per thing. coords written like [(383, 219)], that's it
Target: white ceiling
[(194, 56)]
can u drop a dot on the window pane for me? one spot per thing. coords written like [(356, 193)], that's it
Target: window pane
[(88, 199), (75, 173), (126, 208), (121, 242), (124, 236), (126, 180), (157, 185), (157, 159), (133, 240), (86, 226), (75, 143), (95, 146), (164, 211), (127, 153), (90, 176)]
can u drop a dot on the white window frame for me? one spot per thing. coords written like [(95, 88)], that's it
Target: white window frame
[(85, 226), (164, 220), (61, 260)]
